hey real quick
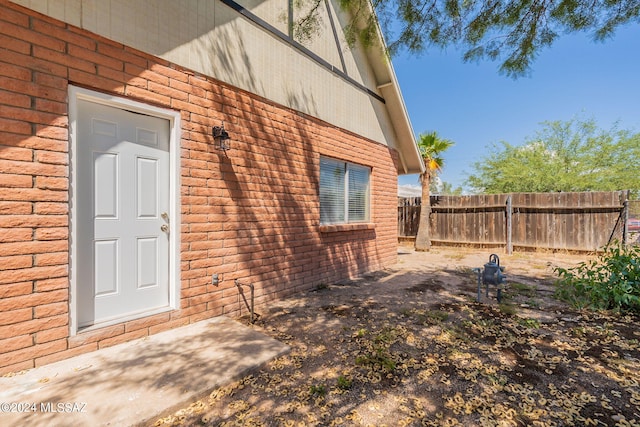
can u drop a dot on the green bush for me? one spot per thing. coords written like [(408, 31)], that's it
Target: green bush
[(610, 282), (317, 390), (344, 383)]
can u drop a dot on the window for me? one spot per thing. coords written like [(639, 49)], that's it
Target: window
[(344, 192)]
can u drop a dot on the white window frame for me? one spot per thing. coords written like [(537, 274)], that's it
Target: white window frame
[(347, 169)]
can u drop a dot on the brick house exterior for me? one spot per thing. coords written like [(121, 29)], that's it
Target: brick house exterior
[(251, 214)]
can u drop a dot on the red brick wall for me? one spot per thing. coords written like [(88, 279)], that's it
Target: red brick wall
[(253, 215)]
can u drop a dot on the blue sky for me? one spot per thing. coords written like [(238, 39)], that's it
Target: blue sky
[(474, 105)]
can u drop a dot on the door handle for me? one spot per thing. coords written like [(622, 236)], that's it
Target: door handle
[(164, 227)]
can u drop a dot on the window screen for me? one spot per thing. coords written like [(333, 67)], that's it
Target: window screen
[(344, 192)]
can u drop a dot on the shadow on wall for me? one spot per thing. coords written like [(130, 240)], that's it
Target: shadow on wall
[(271, 183), (342, 257), (224, 46), (367, 75), (262, 198), (215, 49), (226, 52)]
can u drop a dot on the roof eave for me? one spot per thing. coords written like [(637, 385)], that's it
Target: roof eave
[(410, 160)]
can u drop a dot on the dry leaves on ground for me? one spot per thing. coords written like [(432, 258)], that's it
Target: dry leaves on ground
[(411, 346)]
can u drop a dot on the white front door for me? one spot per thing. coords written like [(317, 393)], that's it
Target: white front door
[(122, 213)]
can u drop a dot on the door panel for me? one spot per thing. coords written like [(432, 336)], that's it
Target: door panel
[(122, 193), (147, 262), (106, 267), (105, 184), (147, 189)]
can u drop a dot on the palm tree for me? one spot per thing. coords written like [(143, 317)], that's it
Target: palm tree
[(431, 147)]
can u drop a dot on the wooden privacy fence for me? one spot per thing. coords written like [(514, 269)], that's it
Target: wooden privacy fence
[(584, 221)]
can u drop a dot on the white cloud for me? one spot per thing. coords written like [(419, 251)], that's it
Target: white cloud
[(409, 190)]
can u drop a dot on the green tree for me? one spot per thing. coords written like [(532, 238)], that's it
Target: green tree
[(512, 31), (563, 156), (446, 189), (431, 148), (443, 188)]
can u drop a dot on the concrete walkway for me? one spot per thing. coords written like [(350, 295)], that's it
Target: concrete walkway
[(135, 382)]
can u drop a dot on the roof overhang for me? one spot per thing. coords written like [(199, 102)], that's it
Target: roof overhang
[(410, 160)]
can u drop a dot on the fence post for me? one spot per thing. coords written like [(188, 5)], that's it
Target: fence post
[(625, 217), (509, 226)]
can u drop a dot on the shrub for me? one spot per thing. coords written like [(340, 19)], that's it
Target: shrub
[(317, 390), (344, 383), (529, 323), (375, 350), (507, 308), (379, 360), (610, 282)]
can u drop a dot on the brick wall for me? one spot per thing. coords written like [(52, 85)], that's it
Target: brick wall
[(252, 215)]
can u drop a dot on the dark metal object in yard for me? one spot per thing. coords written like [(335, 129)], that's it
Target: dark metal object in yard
[(491, 275), (250, 285)]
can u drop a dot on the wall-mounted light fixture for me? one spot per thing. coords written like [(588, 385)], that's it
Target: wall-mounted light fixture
[(221, 136)]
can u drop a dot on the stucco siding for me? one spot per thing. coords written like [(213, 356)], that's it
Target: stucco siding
[(273, 11), (211, 38), (65, 10)]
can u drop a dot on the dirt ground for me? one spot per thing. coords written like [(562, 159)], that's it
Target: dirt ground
[(411, 346)]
